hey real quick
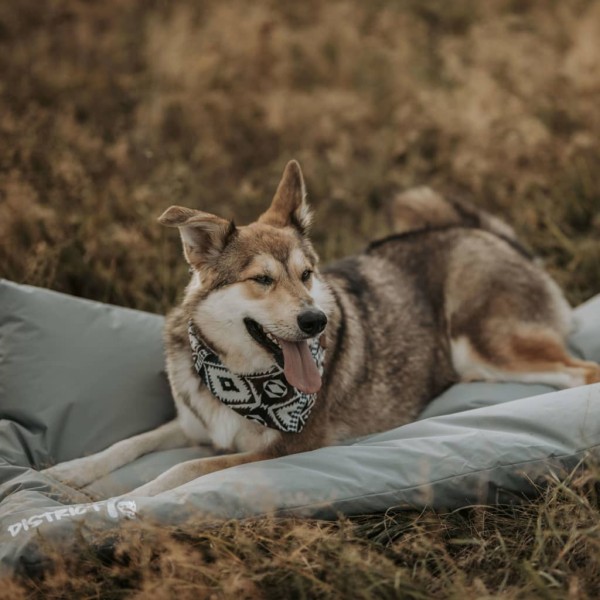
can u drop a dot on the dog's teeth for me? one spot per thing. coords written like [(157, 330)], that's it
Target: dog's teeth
[(271, 337)]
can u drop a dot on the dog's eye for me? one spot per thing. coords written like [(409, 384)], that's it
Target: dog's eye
[(306, 275), (263, 279)]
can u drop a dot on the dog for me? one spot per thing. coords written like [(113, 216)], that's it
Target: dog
[(270, 355)]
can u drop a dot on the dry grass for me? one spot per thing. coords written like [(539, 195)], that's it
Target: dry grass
[(111, 111), (548, 548)]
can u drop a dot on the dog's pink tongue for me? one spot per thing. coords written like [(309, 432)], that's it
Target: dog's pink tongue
[(299, 367)]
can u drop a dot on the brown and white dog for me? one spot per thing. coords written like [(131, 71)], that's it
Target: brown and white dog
[(450, 297)]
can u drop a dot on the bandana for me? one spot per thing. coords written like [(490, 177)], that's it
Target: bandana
[(266, 398)]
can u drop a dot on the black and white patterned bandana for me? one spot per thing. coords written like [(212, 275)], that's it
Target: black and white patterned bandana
[(266, 398)]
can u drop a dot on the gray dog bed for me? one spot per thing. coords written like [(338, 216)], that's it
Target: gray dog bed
[(76, 376)]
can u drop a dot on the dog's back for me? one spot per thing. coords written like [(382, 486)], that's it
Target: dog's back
[(451, 295)]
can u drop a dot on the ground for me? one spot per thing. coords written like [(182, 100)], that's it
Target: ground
[(112, 111)]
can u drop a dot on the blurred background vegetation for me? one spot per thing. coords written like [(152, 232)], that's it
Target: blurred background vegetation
[(111, 111)]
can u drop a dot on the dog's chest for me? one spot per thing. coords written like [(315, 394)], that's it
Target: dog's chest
[(205, 419)]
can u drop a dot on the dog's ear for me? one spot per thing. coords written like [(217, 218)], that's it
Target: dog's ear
[(204, 236), (289, 206)]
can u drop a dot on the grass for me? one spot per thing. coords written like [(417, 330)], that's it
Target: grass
[(548, 548), (111, 111)]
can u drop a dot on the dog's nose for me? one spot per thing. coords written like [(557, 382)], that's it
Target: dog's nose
[(312, 321)]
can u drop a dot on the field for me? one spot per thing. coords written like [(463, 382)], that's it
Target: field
[(111, 111)]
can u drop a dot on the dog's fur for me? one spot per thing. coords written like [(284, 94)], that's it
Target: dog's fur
[(451, 296)]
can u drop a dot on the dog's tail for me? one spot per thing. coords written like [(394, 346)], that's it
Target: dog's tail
[(422, 208)]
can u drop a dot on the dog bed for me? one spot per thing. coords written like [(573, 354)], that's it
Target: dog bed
[(76, 376)]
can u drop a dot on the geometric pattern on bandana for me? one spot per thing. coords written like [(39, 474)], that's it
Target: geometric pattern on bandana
[(266, 398)]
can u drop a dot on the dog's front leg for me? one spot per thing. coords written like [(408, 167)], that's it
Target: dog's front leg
[(83, 471), (192, 469)]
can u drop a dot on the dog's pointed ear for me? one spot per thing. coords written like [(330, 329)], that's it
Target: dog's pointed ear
[(204, 236), (289, 207)]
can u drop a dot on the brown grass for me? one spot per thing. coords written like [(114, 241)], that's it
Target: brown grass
[(111, 111), (548, 548)]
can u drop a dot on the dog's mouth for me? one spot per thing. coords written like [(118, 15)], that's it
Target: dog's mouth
[(299, 366), (265, 339)]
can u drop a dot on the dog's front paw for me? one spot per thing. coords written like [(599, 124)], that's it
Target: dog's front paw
[(170, 479), (75, 473), (149, 489)]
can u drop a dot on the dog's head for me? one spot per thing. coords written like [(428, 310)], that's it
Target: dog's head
[(255, 293)]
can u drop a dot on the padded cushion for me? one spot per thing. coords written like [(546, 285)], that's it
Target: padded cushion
[(76, 375)]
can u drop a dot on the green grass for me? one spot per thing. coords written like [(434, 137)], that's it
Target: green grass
[(112, 111)]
